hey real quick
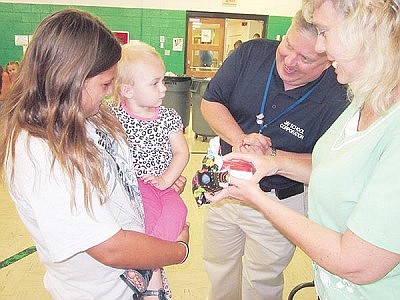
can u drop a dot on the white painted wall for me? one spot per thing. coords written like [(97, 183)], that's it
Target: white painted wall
[(258, 7)]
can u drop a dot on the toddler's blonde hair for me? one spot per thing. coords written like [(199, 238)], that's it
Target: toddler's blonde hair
[(132, 54)]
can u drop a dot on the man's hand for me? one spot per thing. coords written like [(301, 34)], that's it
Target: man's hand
[(253, 143)]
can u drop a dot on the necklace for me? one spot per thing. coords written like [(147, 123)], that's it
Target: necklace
[(260, 116)]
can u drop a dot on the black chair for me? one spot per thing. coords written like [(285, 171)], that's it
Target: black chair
[(299, 287)]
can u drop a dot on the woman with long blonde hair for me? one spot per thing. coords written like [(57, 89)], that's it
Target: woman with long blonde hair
[(352, 234)]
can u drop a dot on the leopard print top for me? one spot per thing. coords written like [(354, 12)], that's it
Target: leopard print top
[(148, 138)]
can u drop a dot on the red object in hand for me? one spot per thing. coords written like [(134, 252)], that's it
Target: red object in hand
[(238, 168)]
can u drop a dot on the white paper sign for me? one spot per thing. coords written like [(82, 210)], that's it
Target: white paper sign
[(177, 44), (21, 40), (206, 35)]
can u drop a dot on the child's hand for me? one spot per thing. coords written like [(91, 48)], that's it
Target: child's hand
[(179, 184), (157, 181)]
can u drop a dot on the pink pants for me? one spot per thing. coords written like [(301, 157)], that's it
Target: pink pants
[(164, 212)]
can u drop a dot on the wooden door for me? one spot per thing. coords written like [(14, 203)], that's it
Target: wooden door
[(205, 46)]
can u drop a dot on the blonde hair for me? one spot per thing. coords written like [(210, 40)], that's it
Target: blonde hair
[(300, 24), (67, 48), (132, 54), (12, 63), (371, 30)]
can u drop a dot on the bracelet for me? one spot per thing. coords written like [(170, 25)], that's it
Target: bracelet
[(187, 251), (273, 151)]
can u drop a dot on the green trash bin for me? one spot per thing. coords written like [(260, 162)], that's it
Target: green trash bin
[(177, 96), (199, 125)]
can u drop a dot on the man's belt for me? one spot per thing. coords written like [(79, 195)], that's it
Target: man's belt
[(288, 192)]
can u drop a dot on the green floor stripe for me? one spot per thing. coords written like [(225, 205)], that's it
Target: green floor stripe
[(17, 257)]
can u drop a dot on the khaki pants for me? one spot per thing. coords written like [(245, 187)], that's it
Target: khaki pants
[(244, 255)]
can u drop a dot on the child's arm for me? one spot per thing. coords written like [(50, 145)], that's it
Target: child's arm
[(180, 158)]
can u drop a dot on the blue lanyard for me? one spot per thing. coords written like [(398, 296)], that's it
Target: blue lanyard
[(287, 110)]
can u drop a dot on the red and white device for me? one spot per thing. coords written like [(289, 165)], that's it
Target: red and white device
[(238, 168)]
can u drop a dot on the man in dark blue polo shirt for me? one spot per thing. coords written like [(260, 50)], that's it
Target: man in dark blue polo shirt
[(275, 99)]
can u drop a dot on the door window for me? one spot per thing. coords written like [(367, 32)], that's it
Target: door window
[(211, 36), (205, 46)]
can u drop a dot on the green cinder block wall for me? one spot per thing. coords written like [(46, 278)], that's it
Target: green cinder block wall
[(277, 26), (142, 24), (146, 25)]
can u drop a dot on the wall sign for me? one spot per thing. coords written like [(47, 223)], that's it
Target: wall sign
[(21, 40), (206, 35), (177, 44), (122, 36), (231, 2)]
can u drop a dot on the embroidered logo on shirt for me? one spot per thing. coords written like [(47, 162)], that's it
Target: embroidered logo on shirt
[(292, 129)]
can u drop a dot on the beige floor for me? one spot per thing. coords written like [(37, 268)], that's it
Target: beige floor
[(23, 279)]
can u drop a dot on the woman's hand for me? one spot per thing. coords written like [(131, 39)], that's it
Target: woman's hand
[(244, 190), (264, 165), (184, 235)]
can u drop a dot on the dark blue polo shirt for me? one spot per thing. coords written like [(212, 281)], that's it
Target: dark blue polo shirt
[(239, 85)]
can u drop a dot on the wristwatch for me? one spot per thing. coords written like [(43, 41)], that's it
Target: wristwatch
[(273, 151)]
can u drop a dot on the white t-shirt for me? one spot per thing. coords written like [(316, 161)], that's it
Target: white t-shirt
[(41, 193)]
